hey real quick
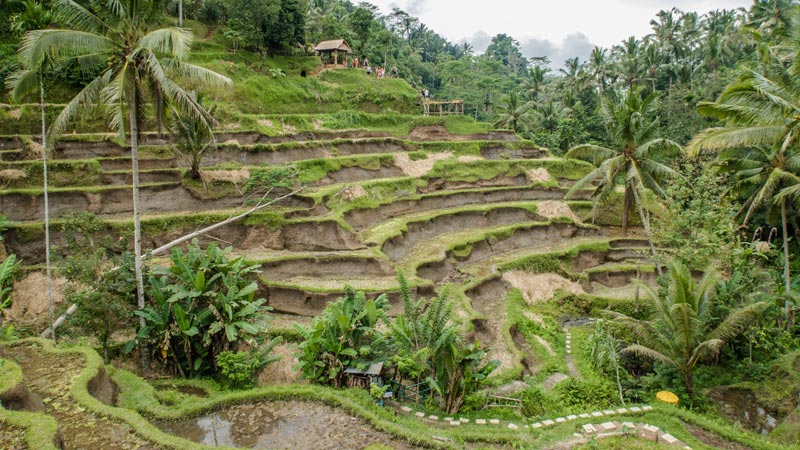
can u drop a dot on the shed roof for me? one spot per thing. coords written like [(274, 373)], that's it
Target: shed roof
[(329, 46), (374, 369)]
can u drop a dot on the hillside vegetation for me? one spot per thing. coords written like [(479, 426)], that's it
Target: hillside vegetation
[(293, 250)]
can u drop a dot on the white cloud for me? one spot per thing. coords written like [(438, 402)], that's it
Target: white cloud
[(575, 44), (601, 22)]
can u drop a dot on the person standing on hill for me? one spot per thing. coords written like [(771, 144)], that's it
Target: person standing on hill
[(355, 62), (366, 62)]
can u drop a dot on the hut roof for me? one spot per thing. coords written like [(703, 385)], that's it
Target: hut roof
[(329, 46), (374, 369)]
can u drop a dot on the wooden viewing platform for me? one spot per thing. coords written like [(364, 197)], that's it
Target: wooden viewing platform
[(441, 108)]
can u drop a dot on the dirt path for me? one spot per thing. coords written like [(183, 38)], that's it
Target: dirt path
[(50, 376)]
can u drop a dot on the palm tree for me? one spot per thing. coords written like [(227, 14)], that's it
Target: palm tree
[(514, 116), (598, 68), (22, 83), (759, 140), (139, 62), (574, 74), (193, 138), (466, 49), (550, 114), (637, 158), (682, 327), (628, 56), (533, 84)]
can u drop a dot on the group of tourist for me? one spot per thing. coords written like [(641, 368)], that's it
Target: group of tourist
[(380, 72)]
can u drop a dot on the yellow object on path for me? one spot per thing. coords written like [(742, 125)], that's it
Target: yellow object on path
[(667, 397)]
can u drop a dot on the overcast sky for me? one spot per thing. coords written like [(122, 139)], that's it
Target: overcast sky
[(556, 28)]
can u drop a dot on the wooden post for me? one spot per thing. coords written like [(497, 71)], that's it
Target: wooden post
[(335, 57)]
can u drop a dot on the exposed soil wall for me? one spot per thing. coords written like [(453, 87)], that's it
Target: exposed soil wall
[(508, 153), (103, 388), (154, 199), (362, 218), (400, 246), (19, 398), (305, 236), (322, 267), (438, 184), (352, 174)]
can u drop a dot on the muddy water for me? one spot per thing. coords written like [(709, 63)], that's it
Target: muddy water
[(281, 425)]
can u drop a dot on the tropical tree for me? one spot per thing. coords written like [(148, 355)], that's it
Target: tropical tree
[(344, 336), (421, 333), (599, 68), (636, 158), (681, 328), (202, 305), (533, 84), (193, 137), (34, 16), (514, 116), (138, 62), (759, 141), (429, 348)]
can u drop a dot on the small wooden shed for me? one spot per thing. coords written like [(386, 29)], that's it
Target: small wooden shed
[(334, 47), (364, 378)]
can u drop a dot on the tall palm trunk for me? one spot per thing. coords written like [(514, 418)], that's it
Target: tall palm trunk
[(137, 226), (50, 310), (786, 276), (626, 208), (689, 383)]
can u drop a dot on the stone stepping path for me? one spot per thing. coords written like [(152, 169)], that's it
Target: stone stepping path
[(407, 410), (571, 367), (642, 430)]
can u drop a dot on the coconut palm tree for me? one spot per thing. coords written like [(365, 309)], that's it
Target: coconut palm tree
[(533, 84), (682, 328), (759, 141), (636, 157), (138, 62), (599, 68), (193, 138), (514, 116)]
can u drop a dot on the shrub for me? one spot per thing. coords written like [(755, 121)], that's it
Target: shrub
[(240, 370), (535, 402), (344, 336), (199, 307), (591, 393)]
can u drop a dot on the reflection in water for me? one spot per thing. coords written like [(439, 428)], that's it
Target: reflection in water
[(280, 425), (218, 430)]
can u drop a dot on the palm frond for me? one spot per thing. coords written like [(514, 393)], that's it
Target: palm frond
[(60, 45), (77, 17), (86, 98), (174, 42), (196, 73), (593, 154), (23, 83), (658, 150), (716, 139), (645, 352), (738, 320), (791, 193)]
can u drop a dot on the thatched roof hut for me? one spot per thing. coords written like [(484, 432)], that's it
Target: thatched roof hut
[(334, 47)]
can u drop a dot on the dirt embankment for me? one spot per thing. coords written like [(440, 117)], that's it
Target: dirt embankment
[(362, 218), (325, 267), (400, 246)]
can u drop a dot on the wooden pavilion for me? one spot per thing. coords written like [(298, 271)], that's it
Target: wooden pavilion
[(334, 47)]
